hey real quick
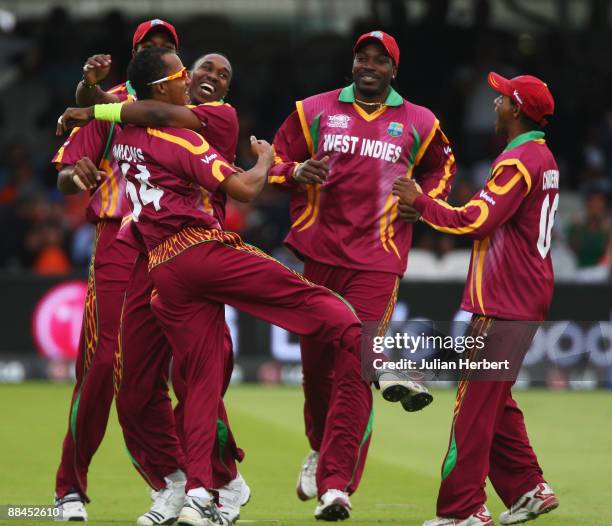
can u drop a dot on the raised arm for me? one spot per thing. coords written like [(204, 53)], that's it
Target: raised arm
[(88, 92)]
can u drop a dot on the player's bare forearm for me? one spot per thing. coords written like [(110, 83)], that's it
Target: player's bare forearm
[(155, 113), (86, 96), (246, 186)]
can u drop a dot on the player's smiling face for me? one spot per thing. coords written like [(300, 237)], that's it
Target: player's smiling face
[(210, 79), (373, 70)]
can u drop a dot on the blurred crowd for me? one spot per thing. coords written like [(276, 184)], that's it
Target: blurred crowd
[(443, 67)]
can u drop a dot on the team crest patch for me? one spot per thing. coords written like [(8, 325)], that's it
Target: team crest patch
[(338, 121), (395, 129)]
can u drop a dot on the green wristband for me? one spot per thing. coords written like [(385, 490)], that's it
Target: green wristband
[(108, 112)]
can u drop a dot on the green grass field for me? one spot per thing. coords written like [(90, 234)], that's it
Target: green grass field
[(571, 432)]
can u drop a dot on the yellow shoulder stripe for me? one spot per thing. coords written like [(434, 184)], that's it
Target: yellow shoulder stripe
[(426, 143), (305, 129), (522, 172), (196, 149), (450, 160), (60, 153)]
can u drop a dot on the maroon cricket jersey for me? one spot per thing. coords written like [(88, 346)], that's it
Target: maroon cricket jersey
[(165, 168), (511, 219), (220, 128), (107, 200), (351, 220)]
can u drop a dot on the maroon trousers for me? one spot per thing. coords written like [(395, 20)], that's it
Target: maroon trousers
[(153, 432), (194, 281), (92, 396), (488, 434), (373, 296)]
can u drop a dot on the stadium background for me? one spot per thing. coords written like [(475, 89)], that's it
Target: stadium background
[(284, 50)]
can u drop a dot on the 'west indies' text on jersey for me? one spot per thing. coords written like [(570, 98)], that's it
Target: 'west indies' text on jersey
[(165, 168), (511, 219), (351, 220)]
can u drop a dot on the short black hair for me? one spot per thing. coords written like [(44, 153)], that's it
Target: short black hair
[(147, 66), (201, 58)]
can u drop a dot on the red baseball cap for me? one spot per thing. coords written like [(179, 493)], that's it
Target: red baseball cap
[(385, 39), (143, 29), (530, 93)]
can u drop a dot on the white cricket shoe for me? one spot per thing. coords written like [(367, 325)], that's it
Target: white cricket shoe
[(71, 508), (397, 388), (307, 479), (481, 518), (531, 505), (167, 503), (232, 497), (201, 512), (334, 505)]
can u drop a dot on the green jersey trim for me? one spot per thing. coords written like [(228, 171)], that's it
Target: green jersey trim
[(347, 94)]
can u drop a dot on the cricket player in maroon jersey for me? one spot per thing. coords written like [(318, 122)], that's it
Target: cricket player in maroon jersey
[(85, 165), (510, 278), (196, 268), (143, 405), (339, 154)]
